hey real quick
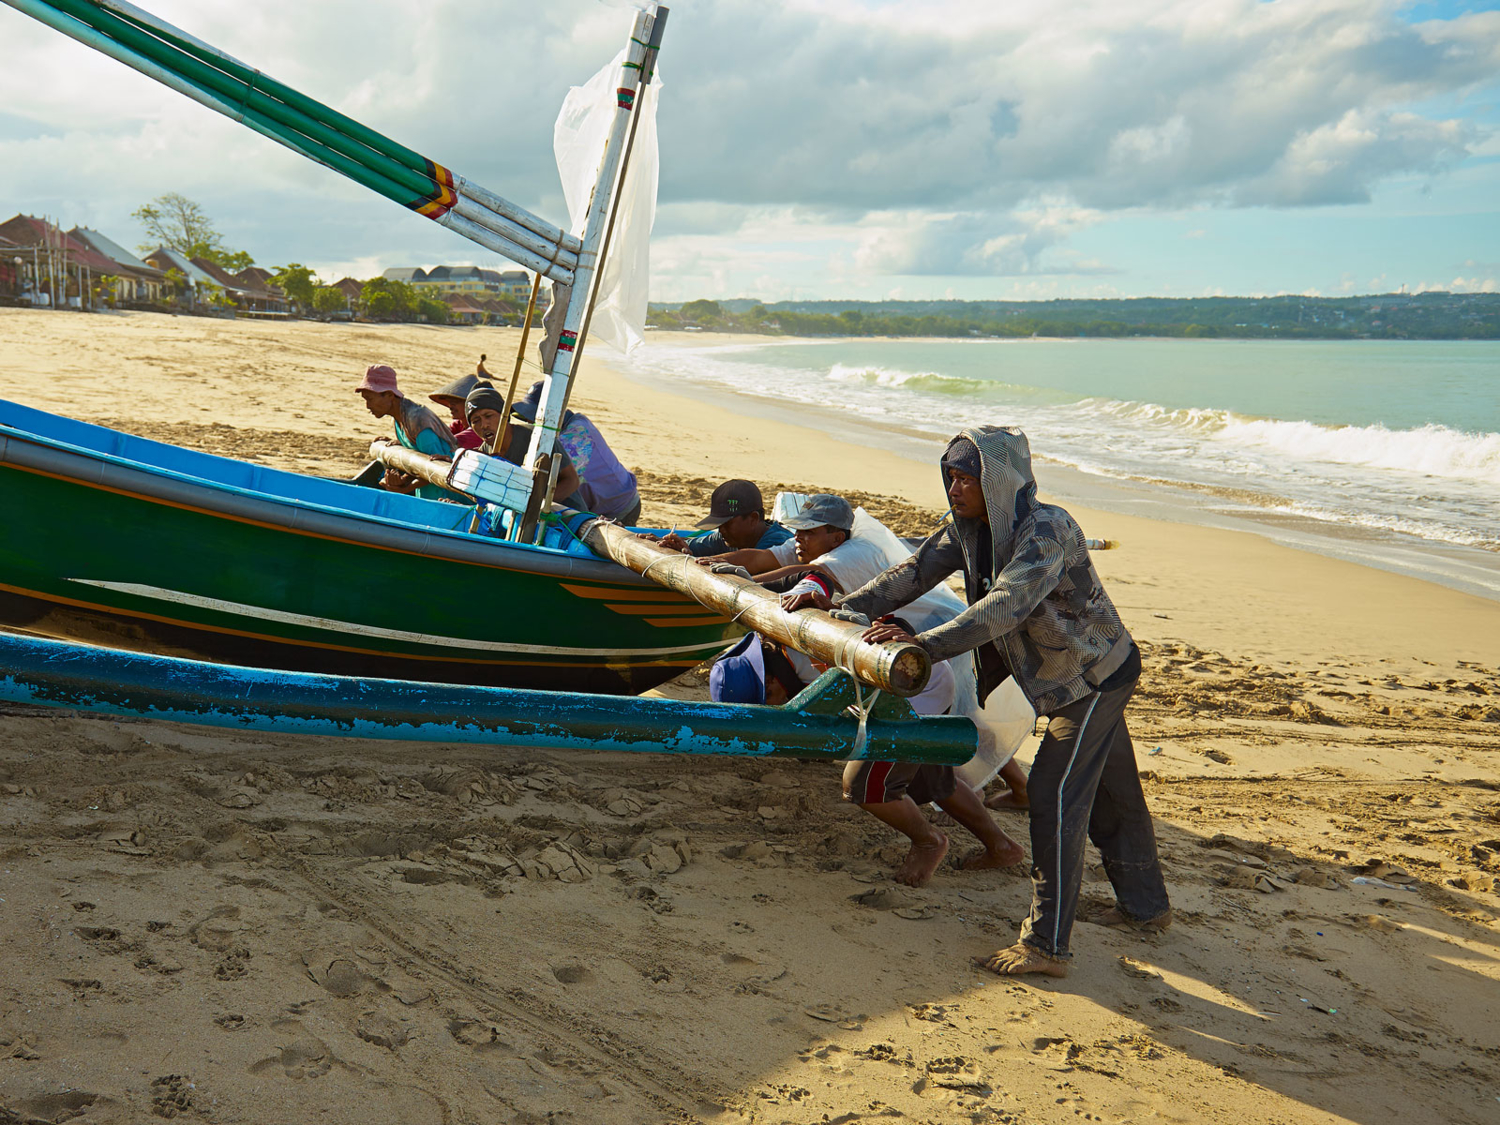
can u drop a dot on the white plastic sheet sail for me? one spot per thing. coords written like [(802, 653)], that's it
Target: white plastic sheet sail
[(578, 141)]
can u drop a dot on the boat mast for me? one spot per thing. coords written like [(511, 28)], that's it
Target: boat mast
[(635, 73)]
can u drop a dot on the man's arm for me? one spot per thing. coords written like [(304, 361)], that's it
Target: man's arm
[(711, 543), (752, 559), (1031, 574), (938, 556)]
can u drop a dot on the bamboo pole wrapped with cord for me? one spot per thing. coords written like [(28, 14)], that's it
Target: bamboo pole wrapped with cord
[(902, 669)]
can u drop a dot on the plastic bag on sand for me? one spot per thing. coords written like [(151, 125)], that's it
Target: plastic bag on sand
[(578, 141), (1006, 717)]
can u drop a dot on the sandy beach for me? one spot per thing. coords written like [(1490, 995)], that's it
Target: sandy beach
[(229, 927)]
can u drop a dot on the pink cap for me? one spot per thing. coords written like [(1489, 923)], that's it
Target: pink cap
[(379, 378)]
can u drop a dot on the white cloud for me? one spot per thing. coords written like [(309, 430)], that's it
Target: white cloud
[(832, 138)]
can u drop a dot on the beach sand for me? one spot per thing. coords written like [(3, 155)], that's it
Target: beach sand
[(231, 927)]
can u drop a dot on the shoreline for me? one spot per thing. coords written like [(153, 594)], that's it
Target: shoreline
[(1468, 569)]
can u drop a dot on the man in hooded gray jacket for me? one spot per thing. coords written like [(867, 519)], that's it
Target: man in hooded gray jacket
[(1037, 611)]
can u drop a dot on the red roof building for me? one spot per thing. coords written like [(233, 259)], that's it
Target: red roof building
[(249, 296), (61, 270)]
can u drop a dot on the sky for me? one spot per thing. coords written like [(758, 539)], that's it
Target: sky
[(841, 149)]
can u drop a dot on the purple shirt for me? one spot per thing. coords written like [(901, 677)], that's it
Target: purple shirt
[(607, 487)]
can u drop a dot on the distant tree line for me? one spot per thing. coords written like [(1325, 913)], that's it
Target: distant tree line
[(1423, 316)]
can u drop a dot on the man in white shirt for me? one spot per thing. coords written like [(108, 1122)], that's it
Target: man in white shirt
[(826, 557)]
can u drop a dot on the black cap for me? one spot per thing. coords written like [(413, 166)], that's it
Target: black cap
[(730, 499), (484, 397)]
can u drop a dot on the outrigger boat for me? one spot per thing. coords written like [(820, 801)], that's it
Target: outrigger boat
[(122, 541), (277, 579)]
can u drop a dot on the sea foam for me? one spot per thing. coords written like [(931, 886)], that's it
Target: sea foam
[(1431, 450)]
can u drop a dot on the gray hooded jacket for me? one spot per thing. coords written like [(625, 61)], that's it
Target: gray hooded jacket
[(1044, 616)]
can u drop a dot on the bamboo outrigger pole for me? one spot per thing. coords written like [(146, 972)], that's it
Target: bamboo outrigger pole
[(902, 669)]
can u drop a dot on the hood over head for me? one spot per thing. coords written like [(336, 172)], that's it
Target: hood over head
[(1004, 462)]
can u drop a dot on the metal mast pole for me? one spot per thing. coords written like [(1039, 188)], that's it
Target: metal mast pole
[(558, 379)]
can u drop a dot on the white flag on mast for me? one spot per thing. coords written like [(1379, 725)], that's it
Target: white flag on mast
[(578, 141)]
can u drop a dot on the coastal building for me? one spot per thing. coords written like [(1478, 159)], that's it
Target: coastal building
[(250, 297), (197, 285), (411, 275), (138, 282), (352, 290), (466, 309), (262, 297), (471, 281), (10, 271), (55, 270)]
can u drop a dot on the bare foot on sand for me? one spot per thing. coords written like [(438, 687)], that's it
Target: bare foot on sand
[(1022, 958), (1004, 855), (923, 860), (1007, 799)]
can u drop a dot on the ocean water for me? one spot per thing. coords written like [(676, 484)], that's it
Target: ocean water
[(1393, 439)]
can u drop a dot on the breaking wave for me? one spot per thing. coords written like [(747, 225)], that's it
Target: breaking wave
[(1431, 450), (910, 380)]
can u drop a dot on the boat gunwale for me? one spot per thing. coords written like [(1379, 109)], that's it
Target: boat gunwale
[(28, 451)]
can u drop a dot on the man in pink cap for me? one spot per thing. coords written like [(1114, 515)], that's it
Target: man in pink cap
[(416, 428)]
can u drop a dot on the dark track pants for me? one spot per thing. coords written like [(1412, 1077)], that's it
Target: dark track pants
[(1084, 780)]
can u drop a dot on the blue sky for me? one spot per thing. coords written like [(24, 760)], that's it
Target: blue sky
[(833, 148)]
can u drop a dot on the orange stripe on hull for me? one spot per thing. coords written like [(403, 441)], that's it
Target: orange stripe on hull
[(58, 599)]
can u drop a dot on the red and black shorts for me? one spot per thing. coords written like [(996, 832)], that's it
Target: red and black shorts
[(874, 783)]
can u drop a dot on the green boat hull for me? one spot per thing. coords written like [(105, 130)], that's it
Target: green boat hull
[(113, 549)]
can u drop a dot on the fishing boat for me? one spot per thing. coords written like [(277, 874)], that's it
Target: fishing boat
[(118, 540), (269, 600)]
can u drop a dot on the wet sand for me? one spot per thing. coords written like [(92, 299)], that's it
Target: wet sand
[(238, 928)]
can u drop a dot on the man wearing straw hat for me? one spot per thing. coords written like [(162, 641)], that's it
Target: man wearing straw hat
[(416, 428)]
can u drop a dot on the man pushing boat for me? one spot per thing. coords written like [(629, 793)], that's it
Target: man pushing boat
[(1037, 611)]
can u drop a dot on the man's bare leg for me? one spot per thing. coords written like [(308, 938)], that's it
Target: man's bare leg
[(1000, 850), (928, 844), (1022, 958), (1015, 797)]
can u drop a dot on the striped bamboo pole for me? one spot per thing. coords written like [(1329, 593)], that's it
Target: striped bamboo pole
[(229, 87), (344, 124)]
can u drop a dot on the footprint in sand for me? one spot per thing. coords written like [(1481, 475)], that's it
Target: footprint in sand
[(304, 1057), (381, 1031), (52, 1107), (887, 898), (571, 972), (338, 975), (171, 1095), (1136, 969), (831, 1013)]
